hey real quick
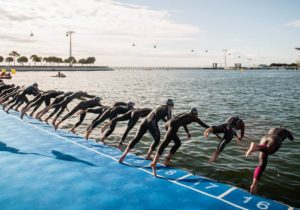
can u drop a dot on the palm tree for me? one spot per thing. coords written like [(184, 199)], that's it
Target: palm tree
[(1, 59), (9, 60), (14, 54)]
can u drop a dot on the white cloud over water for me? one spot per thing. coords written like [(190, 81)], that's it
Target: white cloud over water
[(103, 27)]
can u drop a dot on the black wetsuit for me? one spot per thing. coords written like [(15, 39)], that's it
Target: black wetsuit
[(228, 132), (150, 123), (7, 91), (5, 87), (268, 145), (13, 94), (132, 116), (61, 106), (21, 98), (172, 127), (110, 113), (83, 105), (43, 97)]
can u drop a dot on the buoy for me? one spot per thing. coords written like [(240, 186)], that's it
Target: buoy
[(13, 71)]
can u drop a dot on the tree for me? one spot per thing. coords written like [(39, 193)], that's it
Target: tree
[(82, 61), (35, 59), (1, 59), (91, 60), (9, 60), (71, 60), (22, 60), (46, 60), (14, 54)]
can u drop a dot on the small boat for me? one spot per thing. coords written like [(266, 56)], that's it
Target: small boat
[(5, 76), (59, 75)]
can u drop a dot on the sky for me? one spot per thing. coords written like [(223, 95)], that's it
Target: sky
[(253, 31)]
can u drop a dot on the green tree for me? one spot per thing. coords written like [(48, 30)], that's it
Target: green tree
[(71, 60), (91, 60), (1, 59), (35, 59), (82, 61), (45, 59), (9, 60), (14, 54), (22, 60)]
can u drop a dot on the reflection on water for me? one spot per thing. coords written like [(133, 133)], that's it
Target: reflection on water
[(264, 99)]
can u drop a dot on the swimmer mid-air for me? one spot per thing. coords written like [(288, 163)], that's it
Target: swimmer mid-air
[(268, 145)]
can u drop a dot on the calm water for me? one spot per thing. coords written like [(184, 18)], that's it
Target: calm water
[(263, 99)]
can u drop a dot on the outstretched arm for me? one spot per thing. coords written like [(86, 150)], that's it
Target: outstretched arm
[(187, 131)]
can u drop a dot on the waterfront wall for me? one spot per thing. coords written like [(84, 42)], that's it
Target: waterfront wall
[(58, 68)]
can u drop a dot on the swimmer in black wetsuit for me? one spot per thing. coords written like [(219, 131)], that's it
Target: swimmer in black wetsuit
[(60, 107), (37, 102), (5, 87), (268, 145), (56, 101), (110, 113), (83, 105), (21, 98), (9, 93), (150, 123), (132, 116), (172, 127), (229, 129)]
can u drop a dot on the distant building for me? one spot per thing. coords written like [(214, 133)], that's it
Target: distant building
[(237, 65), (215, 65)]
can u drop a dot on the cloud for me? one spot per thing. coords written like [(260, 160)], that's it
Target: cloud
[(103, 27), (295, 24), (15, 38), (9, 16)]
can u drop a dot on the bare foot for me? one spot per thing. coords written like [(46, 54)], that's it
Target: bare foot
[(251, 149), (253, 188), (167, 162), (73, 130), (153, 166), (87, 135), (122, 158), (119, 146)]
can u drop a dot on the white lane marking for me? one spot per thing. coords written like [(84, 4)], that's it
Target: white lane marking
[(226, 192), (183, 177), (173, 181)]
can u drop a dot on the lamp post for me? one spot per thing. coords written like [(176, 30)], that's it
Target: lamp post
[(225, 53), (298, 48), (69, 34)]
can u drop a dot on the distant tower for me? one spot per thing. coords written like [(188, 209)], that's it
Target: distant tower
[(225, 53)]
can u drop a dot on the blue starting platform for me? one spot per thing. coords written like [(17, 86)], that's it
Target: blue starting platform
[(45, 169)]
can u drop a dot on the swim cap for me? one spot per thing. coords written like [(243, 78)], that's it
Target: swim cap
[(170, 102), (233, 121), (194, 111), (35, 84), (97, 99), (130, 104)]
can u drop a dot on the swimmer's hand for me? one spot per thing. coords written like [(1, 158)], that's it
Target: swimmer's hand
[(239, 140), (207, 132)]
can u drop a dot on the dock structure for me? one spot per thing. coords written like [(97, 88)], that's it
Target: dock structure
[(45, 169)]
